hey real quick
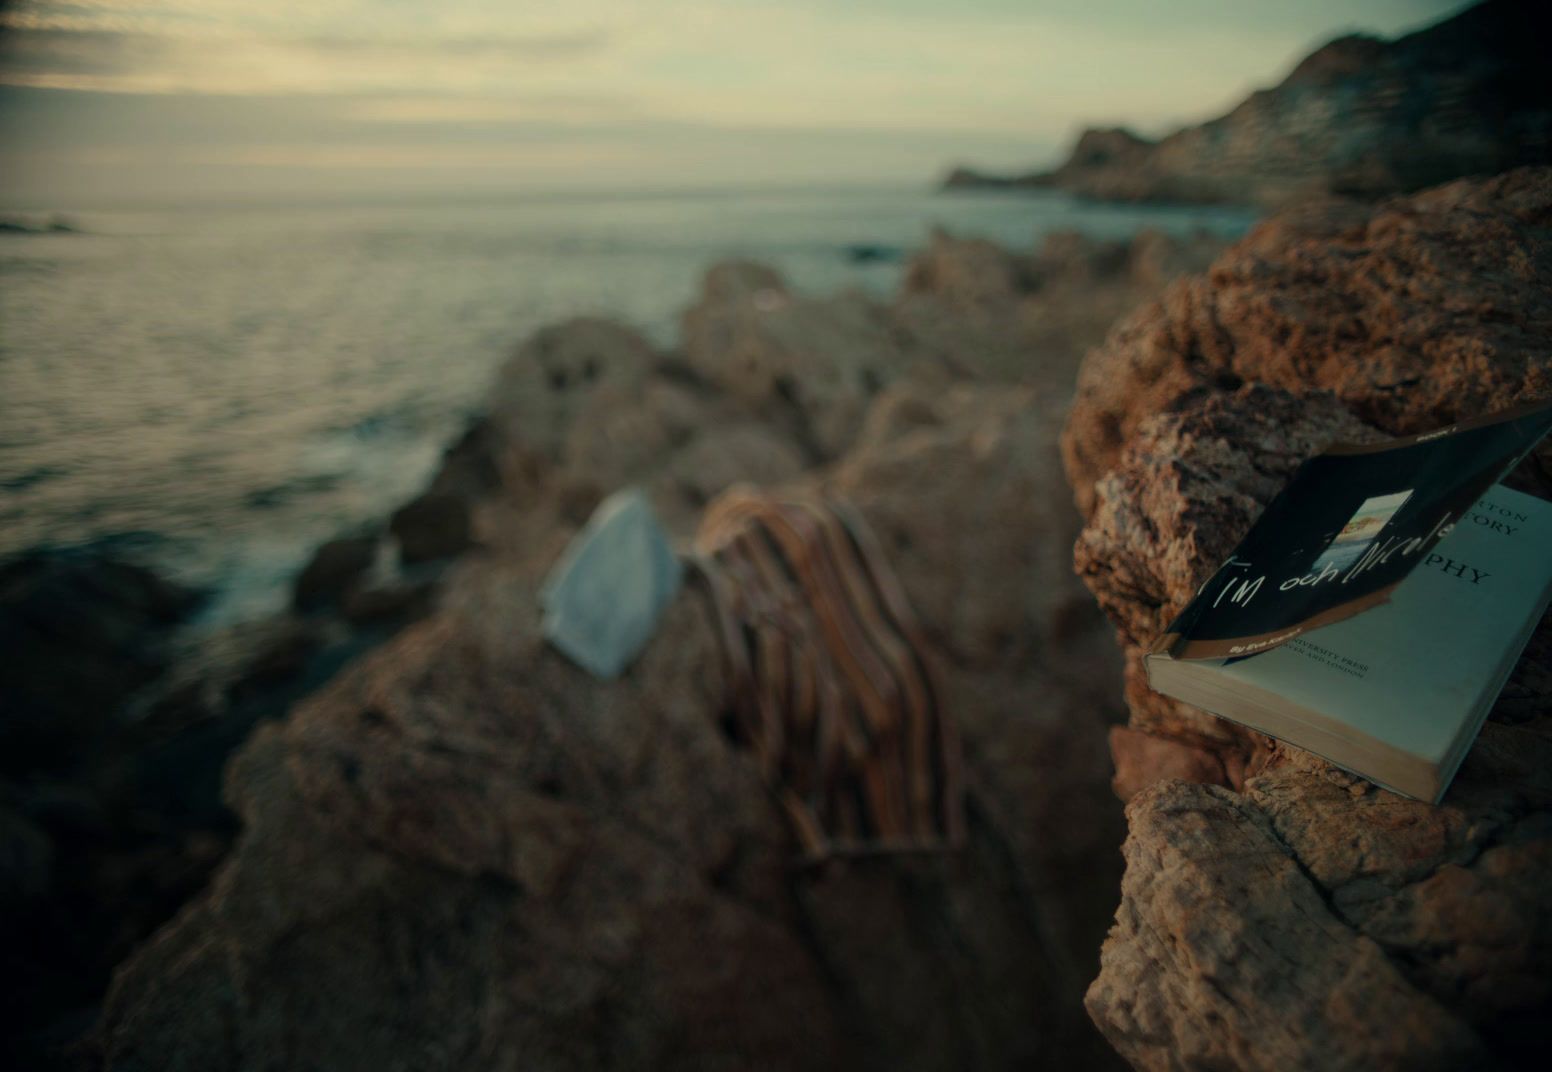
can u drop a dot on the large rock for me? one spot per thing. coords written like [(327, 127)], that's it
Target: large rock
[(333, 570), (1185, 490), (80, 633), (1277, 912), (812, 364), (436, 524), (987, 312), (1426, 310), (588, 406), (469, 853), (1379, 930)]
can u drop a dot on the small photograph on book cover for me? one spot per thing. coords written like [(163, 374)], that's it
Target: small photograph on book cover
[(1361, 530)]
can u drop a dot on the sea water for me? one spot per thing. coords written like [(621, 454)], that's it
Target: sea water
[(217, 388)]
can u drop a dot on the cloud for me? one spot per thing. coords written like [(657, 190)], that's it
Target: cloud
[(64, 53), (28, 53), (564, 45)]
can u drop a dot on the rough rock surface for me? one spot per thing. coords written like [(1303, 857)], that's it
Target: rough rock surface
[(1030, 315), (1425, 310), (467, 853), (1277, 912), (1359, 116)]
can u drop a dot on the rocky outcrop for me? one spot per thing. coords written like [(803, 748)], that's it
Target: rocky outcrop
[(815, 362), (582, 409), (80, 632), (335, 568), (1359, 116), (1414, 314), (1277, 912), (465, 848), (1029, 316)]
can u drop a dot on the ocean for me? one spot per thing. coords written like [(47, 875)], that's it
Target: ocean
[(215, 389)]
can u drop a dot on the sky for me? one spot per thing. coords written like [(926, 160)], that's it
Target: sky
[(148, 99)]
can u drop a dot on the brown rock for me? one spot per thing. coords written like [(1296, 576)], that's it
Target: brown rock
[(810, 364), (1226, 955), (1312, 920), (538, 391), (334, 568), (1425, 311), (1144, 758), (972, 275), (393, 601), (968, 504), (436, 524), (983, 311)]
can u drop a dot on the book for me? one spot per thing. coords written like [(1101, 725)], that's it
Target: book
[(1375, 610)]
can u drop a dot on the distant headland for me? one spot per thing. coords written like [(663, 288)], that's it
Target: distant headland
[(1359, 116)]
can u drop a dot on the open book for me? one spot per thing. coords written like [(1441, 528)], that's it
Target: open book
[(1375, 610)]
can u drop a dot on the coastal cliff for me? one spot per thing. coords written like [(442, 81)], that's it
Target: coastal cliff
[(1359, 116), (1277, 912)]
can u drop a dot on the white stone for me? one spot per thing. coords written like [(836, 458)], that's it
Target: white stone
[(603, 599)]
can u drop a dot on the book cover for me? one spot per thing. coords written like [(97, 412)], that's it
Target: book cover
[(1349, 527), (1397, 693)]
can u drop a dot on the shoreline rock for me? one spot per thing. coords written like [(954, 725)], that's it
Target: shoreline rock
[(587, 406), (596, 865), (1277, 912)]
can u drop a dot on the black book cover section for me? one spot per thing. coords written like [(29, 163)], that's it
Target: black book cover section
[(1350, 525)]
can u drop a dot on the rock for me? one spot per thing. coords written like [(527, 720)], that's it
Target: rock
[(1415, 314), (718, 457), (990, 313), (812, 364), (603, 599), (434, 525), (1186, 489), (1328, 925), (81, 633), (279, 653), (966, 502), (1284, 913), (1226, 955), (597, 868), (971, 275), (333, 570), (472, 465), (537, 392), (1359, 116), (393, 601), (638, 418)]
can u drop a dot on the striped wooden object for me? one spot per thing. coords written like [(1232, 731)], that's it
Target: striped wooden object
[(830, 681)]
